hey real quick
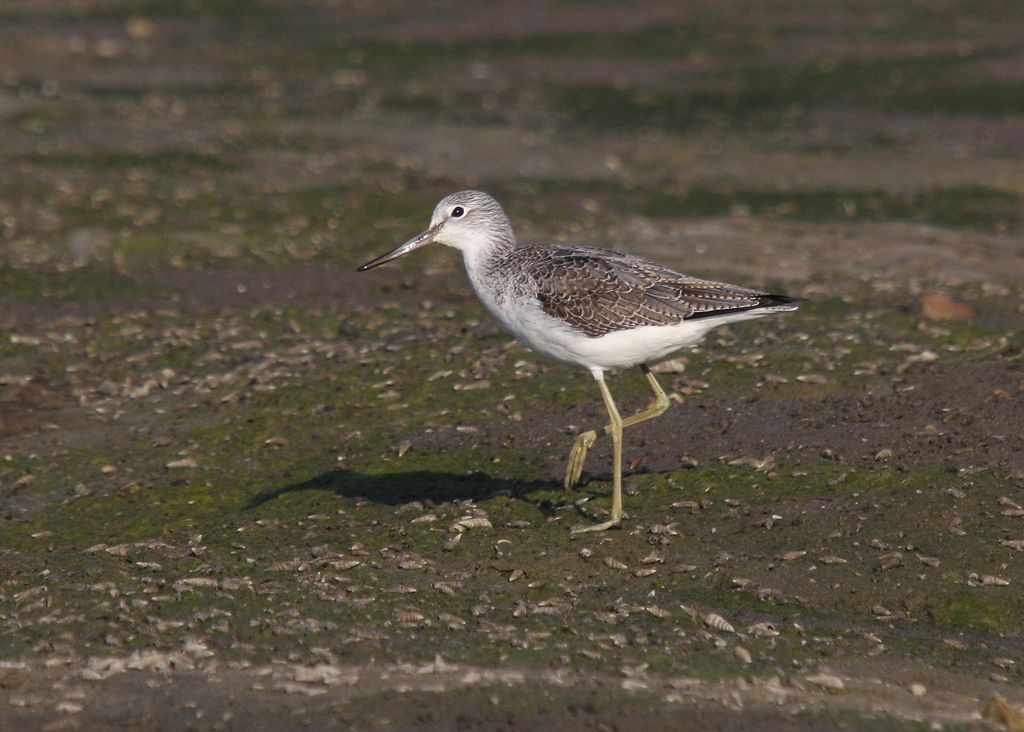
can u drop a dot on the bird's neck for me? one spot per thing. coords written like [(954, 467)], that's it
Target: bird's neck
[(487, 251)]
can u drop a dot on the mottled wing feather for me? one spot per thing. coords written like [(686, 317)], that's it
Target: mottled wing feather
[(598, 291)]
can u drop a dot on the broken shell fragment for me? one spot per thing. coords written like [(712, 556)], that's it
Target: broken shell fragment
[(763, 630)]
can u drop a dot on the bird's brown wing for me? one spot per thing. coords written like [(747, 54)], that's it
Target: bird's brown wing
[(598, 291)]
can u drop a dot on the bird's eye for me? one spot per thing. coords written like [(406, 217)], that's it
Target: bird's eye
[(457, 212)]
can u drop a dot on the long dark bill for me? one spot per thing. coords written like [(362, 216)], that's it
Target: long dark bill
[(420, 240)]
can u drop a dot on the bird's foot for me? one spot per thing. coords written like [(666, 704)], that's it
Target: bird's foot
[(584, 441), (614, 522)]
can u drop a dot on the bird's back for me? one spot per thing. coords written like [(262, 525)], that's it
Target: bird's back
[(599, 291)]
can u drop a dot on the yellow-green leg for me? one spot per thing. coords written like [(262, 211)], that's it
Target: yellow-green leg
[(584, 441), (615, 429)]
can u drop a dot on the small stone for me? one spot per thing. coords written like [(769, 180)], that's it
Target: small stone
[(140, 29), (918, 689), (938, 306)]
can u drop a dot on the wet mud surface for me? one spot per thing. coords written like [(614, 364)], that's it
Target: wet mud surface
[(244, 487)]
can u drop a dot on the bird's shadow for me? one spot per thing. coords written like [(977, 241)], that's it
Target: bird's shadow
[(417, 485)]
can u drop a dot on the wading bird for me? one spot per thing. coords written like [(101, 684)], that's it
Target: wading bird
[(589, 307)]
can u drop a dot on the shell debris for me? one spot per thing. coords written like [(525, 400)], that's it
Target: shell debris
[(653, 558), (453, 622), (343, 565), (471, 522), (717, 622), (762, 630), (889, 561), (446, 587), (826, 681), (691, 612)]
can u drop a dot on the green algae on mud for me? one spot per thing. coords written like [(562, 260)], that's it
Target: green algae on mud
[(809, 511), (530, 705), (302, 406), (976, 611), (86, 283), (232, 222), (979, 207), (232, 10), (162, 162), (772, 96)]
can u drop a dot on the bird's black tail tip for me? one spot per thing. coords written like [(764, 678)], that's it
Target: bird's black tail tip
[(772, 301)]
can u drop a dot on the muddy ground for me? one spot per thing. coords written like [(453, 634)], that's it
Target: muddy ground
[(244, 487)]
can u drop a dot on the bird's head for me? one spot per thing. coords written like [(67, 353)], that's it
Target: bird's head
[(469, 221)]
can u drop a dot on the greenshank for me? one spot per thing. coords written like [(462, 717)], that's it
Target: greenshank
[(593, 308)]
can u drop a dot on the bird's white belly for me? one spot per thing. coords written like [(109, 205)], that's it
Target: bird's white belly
[(553, 338)]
